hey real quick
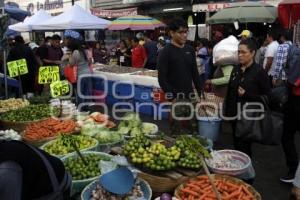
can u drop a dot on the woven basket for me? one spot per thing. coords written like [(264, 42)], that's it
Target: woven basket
[(162, 184), (210, 105), (228, 178)]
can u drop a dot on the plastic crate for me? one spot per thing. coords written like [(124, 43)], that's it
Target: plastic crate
[(111, 100), (124, 90), (143, 94), (145, 107), (98, 84), (99, 96)]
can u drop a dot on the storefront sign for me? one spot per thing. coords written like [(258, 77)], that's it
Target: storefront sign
[(48, 74), (46, 5), (17, 67), (209, 7), (113, 13), (59, 88)]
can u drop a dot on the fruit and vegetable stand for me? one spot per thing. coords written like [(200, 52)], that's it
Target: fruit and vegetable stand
[(93, 145)]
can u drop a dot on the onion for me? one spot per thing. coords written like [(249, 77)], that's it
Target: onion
[(165, 196)]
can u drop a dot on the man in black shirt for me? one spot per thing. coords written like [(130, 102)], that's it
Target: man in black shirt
[(177, 68)]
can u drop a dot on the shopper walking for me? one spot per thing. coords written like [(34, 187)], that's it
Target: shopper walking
[(248, 82)]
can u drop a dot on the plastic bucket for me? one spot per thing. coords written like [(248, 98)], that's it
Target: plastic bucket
[(209, 127)]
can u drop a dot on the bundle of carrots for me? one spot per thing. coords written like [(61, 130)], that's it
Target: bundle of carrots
[(48, 128), (201, 189)]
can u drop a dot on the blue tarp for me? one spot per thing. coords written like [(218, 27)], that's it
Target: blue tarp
[(16, 13)]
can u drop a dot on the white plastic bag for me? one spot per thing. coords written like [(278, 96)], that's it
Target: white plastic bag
[(226, 52)]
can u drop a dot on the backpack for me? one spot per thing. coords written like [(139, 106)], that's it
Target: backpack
[(293, 64), (293, 68)]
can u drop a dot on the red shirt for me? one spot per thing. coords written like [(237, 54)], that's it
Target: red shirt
[(138, 56)]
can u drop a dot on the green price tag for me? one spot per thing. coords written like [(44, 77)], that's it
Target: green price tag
[(48, 74), (59, 88), (17, 67)]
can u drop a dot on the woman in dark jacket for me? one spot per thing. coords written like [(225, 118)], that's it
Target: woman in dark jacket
[(248, 82)]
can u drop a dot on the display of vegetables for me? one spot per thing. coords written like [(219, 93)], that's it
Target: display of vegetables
[(132, 125), (59, 146), (96, 117), (99, 193), (80, 171), (154, 156), (9, 135), (12, 104), (48, 128), (29, 113), (101, 133), (200, 188), (189, 158)]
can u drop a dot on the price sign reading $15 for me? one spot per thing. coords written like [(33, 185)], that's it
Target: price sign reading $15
[(17, 67), (59, 88), (48, 74)]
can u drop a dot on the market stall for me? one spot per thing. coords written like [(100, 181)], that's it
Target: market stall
[(96, 149)]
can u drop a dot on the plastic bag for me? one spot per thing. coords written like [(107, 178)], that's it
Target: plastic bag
[(226, 52), (107, 166)]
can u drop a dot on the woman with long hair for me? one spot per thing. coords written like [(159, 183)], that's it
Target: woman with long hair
[(78, 58)]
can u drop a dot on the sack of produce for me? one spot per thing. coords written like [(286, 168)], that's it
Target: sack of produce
[(226, 51)]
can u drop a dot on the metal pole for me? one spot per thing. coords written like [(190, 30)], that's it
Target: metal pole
[(73, 2), (5, 74), (4, 59)]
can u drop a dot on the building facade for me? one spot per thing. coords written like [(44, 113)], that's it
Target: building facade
[(53, 7)]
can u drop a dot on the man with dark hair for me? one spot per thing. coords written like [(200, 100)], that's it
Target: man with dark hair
[(269, 61), (54, 53), (177, 68), (151, 50), (139, 55)]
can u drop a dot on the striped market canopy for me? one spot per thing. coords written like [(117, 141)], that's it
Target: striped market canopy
[(135, 22)]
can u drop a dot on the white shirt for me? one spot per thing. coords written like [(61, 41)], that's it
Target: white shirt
[(271, 52)]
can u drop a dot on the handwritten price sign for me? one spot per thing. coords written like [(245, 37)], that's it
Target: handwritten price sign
[(48, 74), (17, 67), (59, 88)]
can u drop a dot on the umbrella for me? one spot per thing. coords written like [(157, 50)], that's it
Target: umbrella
[(39, 17), (289, 12), (15, 12), (245, 12), (135, 22)]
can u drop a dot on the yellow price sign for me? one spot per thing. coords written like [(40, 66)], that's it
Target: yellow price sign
[(48, 74), (59, 88), (17, 67)]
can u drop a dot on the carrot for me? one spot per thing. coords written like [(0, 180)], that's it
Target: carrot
[(190, 192), (194, 187)]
